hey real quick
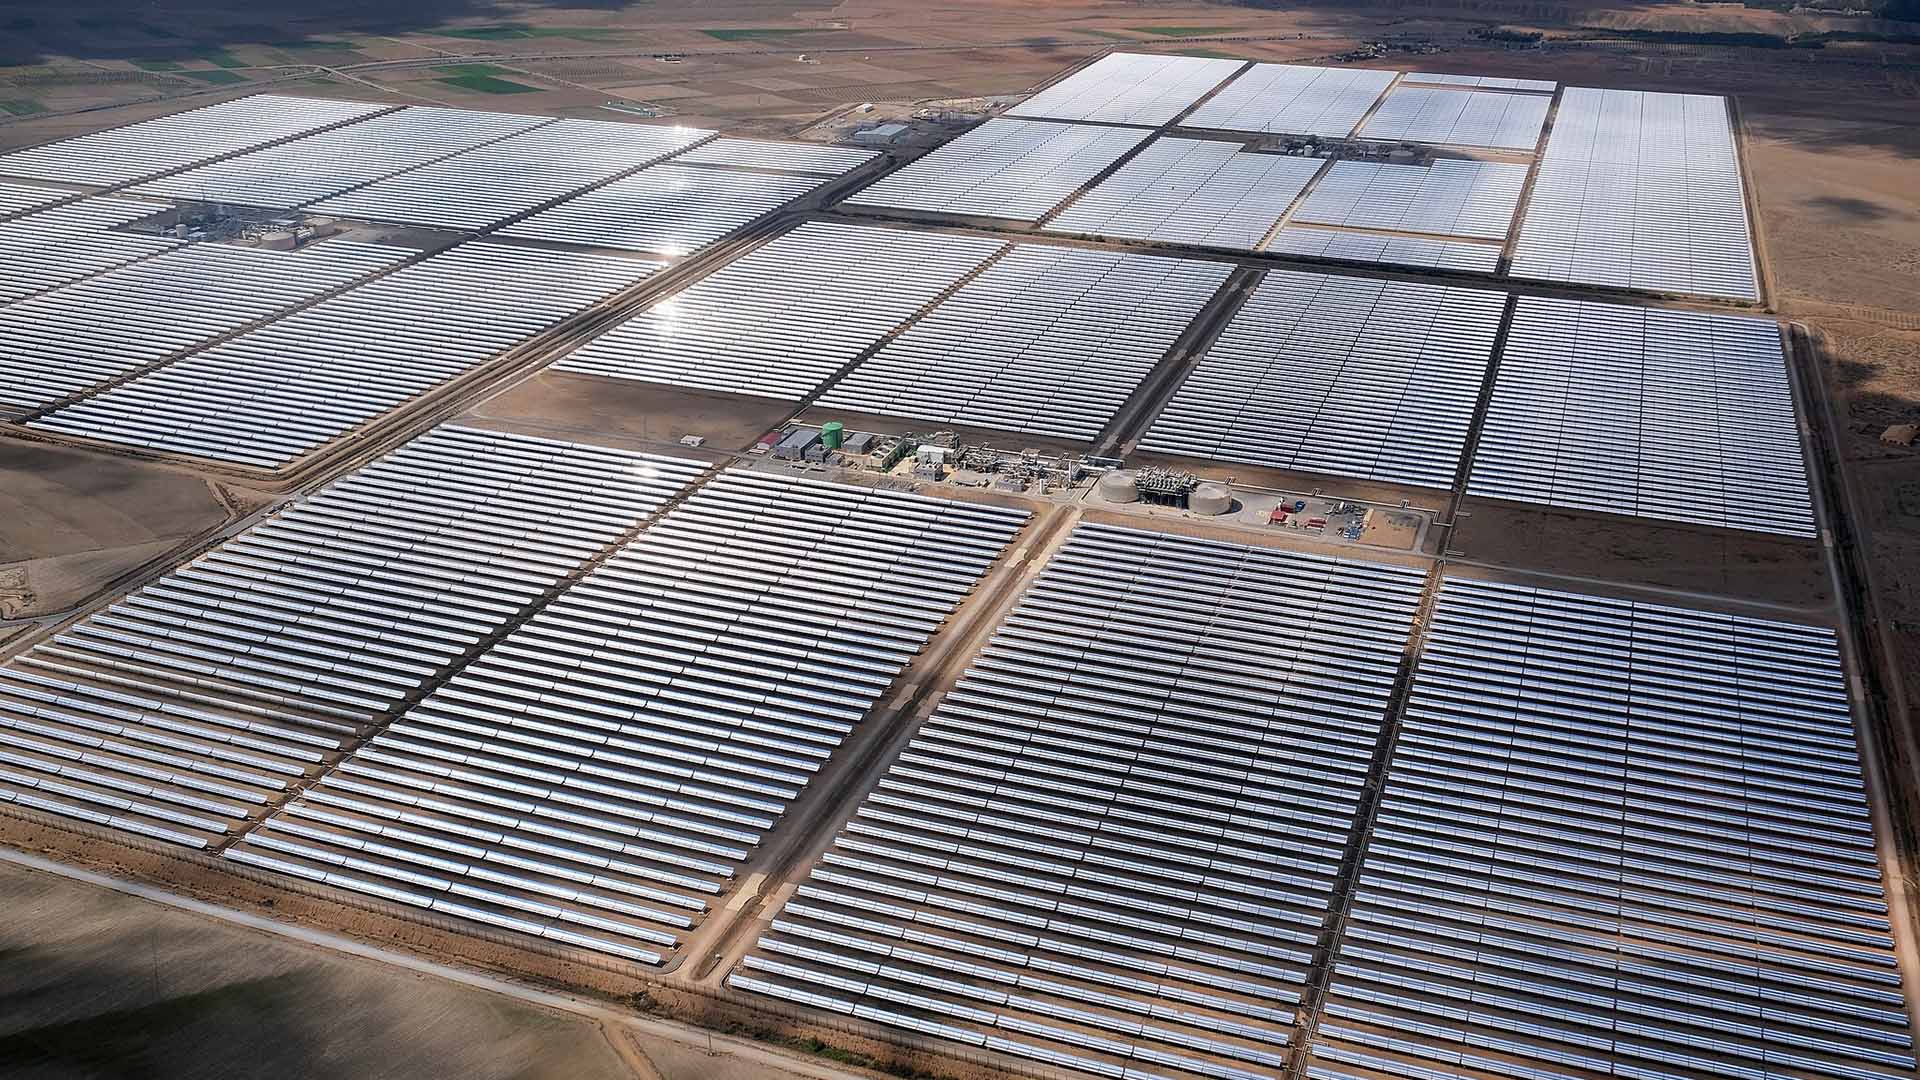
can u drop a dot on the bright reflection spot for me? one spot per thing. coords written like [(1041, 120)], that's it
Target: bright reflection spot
[(666, 318)]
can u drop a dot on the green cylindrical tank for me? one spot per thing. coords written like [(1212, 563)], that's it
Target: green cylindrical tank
[(831, 433)]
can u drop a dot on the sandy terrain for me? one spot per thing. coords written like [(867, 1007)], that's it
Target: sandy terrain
[(59, 501), (104, 984), (1285, 480), (998, 438), (98, 983), (38, 587), (1842, 229), (644, 416), (1771, 569), (73, 520), (1188, 525)]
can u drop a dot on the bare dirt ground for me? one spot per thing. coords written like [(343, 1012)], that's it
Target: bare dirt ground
[(37, 587), (998, 438), (1839, 197), (1771, 569), (1187, 525), (101, 984), (380, 1001), (1286, 480), (59, 501), (559, 404), (748, 65), (72, 520)]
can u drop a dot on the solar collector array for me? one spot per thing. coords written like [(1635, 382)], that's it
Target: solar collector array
[(1349, 376), (1642, 191), (1045, 341), (1113, 845), (1006, 168), (278, 392), (52, 247), (305, 170), (813, 159), (482, 188), (1618, 839), (1479, 82), (597, 777), (124, 154), (668, 209), (1422, 251), (20, 198), (1191, 191), (1129, 88), (188, 707), (1293, 99), (1670, 415), (1464, 117), (1450, 198), (71, 339), (787, 316)]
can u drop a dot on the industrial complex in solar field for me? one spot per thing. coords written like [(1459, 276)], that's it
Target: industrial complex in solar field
[(1170, 582)]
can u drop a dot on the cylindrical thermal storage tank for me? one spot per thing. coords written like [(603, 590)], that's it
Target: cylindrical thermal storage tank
[(1119, 486), (1210, 499), (831, 434)]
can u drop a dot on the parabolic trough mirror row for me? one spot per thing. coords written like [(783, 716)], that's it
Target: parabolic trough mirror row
[(479, 686), (127, 322), (1616, 839), (598, 775)]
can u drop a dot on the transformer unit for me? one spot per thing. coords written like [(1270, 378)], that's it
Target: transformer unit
[(1166, 487)]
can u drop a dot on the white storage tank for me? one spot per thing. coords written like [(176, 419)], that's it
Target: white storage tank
[(1119, 486), (1211, 499)]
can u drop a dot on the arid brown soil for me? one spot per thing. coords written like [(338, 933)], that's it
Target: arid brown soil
[(561, 405), (504, 1040), (60, 501), (98, 983), (38, 587), (1754, 566), (1422, 498)]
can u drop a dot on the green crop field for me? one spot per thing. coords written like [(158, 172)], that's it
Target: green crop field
[(488, 84), (1184, 31), (217, 77), (20, 106)]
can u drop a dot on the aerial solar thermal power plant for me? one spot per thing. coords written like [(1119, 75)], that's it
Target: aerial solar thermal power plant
[(1215, 557)]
